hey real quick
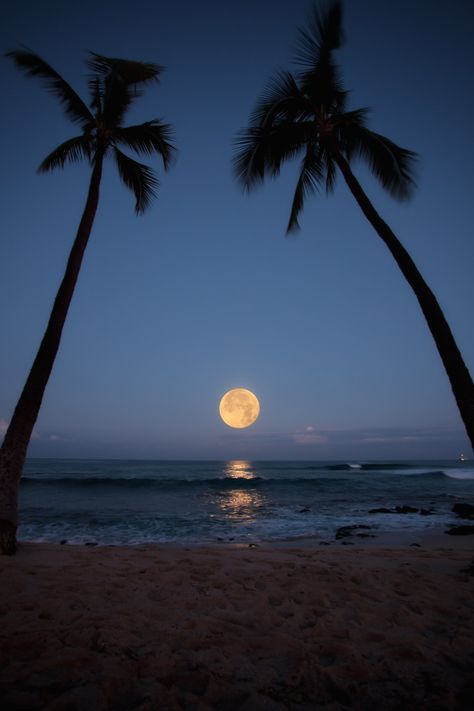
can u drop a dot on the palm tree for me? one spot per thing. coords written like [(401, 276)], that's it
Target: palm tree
[(306, 115), (114, 85)]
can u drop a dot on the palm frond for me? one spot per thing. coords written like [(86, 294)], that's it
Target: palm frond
[(96, 93), (261, 151), (324, 87), (71, 151), (356, 117), (320, 78), (323, 34), (249, 159), (137, 177), (305, 113), (120, 80), (34, 66), (127, 70), (310, 178), (117, 98), (392, 165), (148, 138), (285, 141), (346, 125), (281, 99), (331, 173)]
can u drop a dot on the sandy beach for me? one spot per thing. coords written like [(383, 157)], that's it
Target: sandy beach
[(290, 626)]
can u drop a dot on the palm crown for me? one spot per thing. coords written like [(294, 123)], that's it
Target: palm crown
[(113, 86), (306, 114)]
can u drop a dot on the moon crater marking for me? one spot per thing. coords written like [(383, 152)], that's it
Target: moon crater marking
[(239, 408)]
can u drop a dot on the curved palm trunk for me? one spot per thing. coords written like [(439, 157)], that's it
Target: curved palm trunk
[(17, 437), (458, 374)]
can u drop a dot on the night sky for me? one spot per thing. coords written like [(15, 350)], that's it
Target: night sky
[(204, 292)]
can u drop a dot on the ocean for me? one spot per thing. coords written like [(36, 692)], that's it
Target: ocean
[(130, 502)]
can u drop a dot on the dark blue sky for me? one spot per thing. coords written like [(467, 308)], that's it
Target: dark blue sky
[(204, 292)]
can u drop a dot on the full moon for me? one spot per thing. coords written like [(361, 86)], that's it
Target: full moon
[(239, 408)]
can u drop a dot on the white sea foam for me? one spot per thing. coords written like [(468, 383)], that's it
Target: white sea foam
[(467, 473)]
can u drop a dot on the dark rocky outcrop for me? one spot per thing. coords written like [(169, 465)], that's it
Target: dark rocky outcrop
[(347, 531), (403, 510), (381, 510), (460, 531), (398, 510), (464, 511)]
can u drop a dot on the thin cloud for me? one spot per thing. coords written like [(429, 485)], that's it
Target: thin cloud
[(310, 436), (403, 435)]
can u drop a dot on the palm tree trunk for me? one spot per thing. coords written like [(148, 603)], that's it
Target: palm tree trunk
[(458, 374), (17, 437)]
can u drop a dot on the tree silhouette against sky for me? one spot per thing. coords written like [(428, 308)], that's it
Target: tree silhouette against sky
[(113, 86), (305, 115)]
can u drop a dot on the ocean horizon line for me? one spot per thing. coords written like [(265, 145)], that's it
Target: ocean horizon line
[(250, 459)]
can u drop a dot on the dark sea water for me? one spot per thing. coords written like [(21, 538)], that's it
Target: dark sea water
[(127, 502)]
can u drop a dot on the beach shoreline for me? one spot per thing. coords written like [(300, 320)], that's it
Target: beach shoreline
[(350, 535), (135, 502), (272, 626)]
